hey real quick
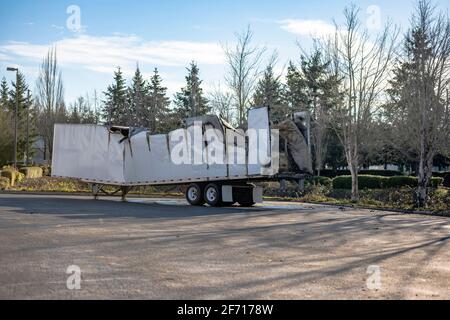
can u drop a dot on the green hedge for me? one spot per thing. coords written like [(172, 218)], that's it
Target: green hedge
[(400, 181), (364, 182), (32, 172), (378, 182), (342, 182), (384, 173)]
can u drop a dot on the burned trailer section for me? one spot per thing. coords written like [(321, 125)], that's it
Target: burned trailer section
[(216, 162), (295, 150)]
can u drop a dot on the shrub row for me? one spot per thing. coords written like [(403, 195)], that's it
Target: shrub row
[(337, 173), (379, 182), (364, 182), (384, 173)]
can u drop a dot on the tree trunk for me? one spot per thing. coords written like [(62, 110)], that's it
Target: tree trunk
[(351, 155), (45, 149), (355, 189), (424, 176)]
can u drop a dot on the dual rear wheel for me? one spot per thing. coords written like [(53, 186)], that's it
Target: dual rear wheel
[(199, 194)]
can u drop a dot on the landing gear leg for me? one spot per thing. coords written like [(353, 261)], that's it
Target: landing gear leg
[(301, 185), (125, 190), (282, 186), (95, 190)]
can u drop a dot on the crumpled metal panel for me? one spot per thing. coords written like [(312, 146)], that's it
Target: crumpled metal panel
[(296, 145)]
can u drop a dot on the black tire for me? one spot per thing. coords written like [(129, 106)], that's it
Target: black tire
[(213, 195), (194, 195)]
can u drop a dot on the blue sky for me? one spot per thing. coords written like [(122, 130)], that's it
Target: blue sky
[(163, 34)]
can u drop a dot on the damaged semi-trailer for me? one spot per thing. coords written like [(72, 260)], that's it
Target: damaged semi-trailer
[(217, 163)]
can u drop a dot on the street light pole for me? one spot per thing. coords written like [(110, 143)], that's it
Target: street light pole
[(16, 110), (28, 129)]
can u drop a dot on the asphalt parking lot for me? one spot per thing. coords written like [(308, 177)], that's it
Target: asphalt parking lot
[(165, 249)]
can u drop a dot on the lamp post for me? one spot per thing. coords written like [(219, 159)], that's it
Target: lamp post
[(15, 113), (28, 129)]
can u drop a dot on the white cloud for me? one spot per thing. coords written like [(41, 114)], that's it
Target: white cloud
[(314, 28), (3, 57), (103, 54)]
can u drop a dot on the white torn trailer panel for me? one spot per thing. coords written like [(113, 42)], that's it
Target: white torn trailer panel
[(88, 152), (127, 156)]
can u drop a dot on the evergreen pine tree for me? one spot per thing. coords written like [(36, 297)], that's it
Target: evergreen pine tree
[(295, 85), (4, 91), (311, 85), (6, 137), (269, 92), (157, 112), (137, 100), (116, 106), (190, 102), (20, 90)]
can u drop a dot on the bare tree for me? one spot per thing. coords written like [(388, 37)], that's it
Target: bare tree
[(419, 107), (363, 64), (49, 99), (221, 103), (244, 68)]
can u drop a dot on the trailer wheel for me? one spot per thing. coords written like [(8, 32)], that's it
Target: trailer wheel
[(213, 195), (194, 195)]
